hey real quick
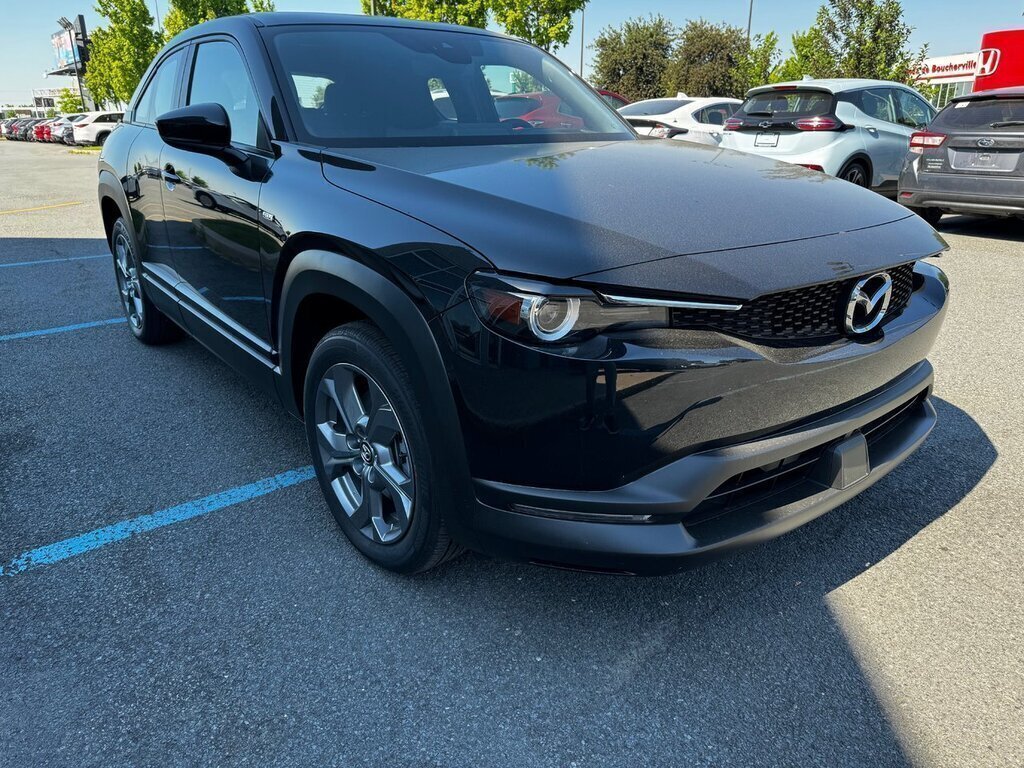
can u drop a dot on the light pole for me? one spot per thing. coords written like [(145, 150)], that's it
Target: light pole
[(583, 23), (70, 29), (750, 20)]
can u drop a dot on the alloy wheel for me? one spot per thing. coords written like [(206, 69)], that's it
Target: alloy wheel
[(855, 175), (128, 280), (364, 453)]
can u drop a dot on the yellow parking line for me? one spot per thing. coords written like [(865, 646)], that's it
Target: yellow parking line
[(39, 208)]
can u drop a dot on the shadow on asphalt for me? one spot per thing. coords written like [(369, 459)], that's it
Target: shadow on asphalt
[(989, 227), (748, 640)]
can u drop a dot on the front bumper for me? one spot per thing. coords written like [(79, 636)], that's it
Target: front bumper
[(663, 456), (700, 506)]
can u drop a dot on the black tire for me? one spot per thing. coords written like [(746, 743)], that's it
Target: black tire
[(931, 215), (102, 138), (149, 324), (361, 348), (856, 172)]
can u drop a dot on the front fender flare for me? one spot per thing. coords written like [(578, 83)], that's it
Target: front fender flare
[(406, 328)]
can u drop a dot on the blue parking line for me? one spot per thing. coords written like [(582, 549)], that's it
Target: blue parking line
[(54, 261), (101, 537), (61, 329)]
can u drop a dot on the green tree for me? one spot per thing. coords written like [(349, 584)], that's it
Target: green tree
[(808, 57), (758, 63), (632, 59), (547, 23), (868, 38), (707, 60), (120, 52), (469, 13), (187, 13), (262, 6), (69, 101)]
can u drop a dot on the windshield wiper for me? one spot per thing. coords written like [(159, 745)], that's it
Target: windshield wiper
[(1005, 123)]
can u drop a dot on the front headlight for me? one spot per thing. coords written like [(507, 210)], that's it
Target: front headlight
[(531, 311)]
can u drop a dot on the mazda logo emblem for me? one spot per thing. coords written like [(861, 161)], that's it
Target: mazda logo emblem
[(986, 142), (869, 301)]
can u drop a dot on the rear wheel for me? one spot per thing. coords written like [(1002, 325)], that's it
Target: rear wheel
[(931, 215), (149, 324), (855, 172), (102, 138), (371, 452)]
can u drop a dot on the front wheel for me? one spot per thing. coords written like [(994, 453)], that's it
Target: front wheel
[(371, 452)]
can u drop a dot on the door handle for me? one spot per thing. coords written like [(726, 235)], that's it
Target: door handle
[(170, 177)]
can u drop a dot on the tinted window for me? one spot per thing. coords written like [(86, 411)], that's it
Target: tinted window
[(159, 94), (982, 115), (877, 103), (789, 103), (394, 86), (613, 101), (653, 107), (219, 76), (716, 114), (914, 112)]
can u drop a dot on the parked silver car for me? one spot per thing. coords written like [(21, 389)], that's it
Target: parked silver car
[(858, 130), (970, 160)]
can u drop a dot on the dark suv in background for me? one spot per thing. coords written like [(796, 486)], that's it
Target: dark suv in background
[(970, 160), (492, 339)]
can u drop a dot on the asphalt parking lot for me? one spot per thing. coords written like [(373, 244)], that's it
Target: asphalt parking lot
[(171, 595)]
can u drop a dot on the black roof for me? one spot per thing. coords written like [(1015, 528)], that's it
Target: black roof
[(229, 24), (995, 93)]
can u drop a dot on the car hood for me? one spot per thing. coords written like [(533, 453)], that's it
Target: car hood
[(652, 215)]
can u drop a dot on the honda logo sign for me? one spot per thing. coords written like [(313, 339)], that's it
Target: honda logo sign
[(988, 61)]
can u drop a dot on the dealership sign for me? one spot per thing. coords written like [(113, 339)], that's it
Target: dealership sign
[(962, 66)]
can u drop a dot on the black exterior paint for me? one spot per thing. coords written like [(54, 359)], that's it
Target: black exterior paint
[(393, 234)]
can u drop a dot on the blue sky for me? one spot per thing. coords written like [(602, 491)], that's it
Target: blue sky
[(947, 26)]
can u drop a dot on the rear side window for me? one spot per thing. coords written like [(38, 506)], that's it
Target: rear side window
[(982, 115), (653, 107), (613, 101), (159, 94), (716, 114), (789, 103), (877, 103)]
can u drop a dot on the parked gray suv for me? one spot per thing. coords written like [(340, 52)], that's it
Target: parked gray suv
[(970, 160)]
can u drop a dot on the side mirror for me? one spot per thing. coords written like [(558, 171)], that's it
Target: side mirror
[(201, 128)]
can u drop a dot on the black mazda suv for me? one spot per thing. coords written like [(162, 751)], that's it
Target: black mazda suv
[(554, 342)]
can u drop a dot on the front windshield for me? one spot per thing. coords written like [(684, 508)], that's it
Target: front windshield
[(380, 86)]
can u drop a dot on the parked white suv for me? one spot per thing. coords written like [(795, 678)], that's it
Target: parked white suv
[(858, 130), (94, 127), (698, 120)]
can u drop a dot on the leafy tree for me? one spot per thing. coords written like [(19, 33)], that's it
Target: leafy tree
[(51, 112), (809, 57), (633, 58), (262, 6), (120, 52), (547, 23), (854, 38), (469, 13), (758, 63), (187, 13), (69, 101), (707, 60)]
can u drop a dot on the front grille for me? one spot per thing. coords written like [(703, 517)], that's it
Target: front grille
[(801, 315)]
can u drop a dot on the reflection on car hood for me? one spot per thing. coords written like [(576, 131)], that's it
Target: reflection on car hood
[(691, 214)]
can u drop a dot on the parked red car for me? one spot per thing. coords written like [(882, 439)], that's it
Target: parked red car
[(41, 131), (545, 110)]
